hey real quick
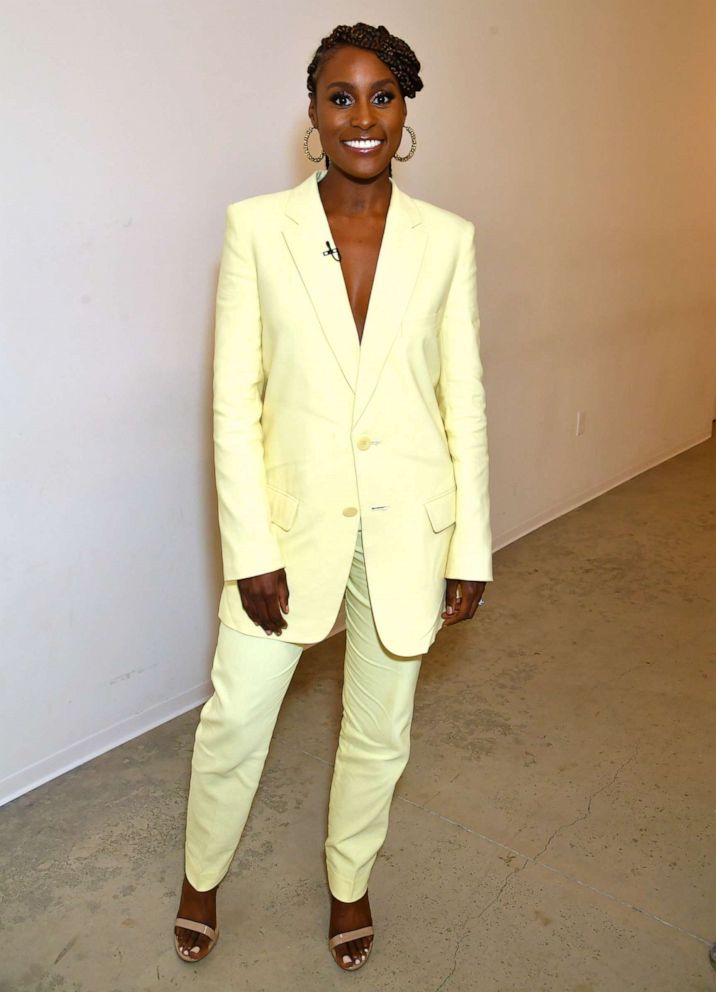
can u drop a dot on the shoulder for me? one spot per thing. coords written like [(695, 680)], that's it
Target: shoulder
[(262, 205), (444, 222)]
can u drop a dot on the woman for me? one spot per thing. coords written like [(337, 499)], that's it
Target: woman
[(351, 460)]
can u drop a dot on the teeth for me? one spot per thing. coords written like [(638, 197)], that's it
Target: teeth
[(363, 143)]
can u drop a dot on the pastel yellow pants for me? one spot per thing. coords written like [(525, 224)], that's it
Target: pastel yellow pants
[(250, 676)]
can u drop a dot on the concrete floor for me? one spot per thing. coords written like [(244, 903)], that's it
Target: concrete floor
[(554, 829)]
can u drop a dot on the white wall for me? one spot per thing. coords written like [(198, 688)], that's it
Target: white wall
[(578, 136)]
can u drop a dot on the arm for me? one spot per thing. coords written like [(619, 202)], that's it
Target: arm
[(248, 546), (461, 398)]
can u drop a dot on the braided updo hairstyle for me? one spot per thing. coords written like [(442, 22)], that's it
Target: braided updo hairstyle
[(396, 53)]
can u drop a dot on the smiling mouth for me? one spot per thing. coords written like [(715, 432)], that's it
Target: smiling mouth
[(364, 144)]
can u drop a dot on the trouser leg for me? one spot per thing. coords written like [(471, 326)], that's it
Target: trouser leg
[(374, 744), (250, 676)]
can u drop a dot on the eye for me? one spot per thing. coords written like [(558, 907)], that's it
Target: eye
[(343, 99), (387, 95)]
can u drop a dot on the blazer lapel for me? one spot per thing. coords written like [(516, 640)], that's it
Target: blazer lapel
[(306, 231), (401, 252)]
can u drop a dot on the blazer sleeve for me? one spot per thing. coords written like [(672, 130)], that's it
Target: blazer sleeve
[(461, 398), (247, 543)]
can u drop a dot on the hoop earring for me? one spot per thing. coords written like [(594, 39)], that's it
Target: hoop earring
[(305, 146), (413, 146)]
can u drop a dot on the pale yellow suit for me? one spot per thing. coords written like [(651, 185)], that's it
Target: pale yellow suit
[(313, 428), (359, 467)]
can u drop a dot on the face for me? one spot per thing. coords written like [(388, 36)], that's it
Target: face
[(357, 96)]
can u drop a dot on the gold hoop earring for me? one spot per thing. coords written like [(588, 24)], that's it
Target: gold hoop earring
[(413, 146), (305, 146)]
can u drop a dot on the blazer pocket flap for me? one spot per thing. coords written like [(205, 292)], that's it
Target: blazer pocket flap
[(283, 507), (441, 509)]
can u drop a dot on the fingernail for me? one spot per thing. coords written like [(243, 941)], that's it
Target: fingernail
[(449, 609), (347, 959)]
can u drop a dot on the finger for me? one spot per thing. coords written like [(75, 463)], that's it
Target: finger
[(262, 608), (250, 602), (467, 602), (262, 612), (283, 594), (451, 597), (258, 613), (276, 622), (462, 605), (472, 606), (461, 611), (467, 608), (250, 609), (452, 617)]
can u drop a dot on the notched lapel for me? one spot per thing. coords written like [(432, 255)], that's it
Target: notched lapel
[(306, 231), (399, 262), (401, 253)]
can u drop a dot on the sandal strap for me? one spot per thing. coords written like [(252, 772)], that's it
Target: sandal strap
[(343, 938), (196, 927)]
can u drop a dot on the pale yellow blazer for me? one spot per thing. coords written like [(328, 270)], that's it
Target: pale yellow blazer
[(313, 428)]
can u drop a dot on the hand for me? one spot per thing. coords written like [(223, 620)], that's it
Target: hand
[(265, 597), (463, 606)]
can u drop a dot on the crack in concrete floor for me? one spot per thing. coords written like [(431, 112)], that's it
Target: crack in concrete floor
[(588, 811)]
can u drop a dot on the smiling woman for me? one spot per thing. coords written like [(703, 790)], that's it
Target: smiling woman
[(351, 466), (388, 92)]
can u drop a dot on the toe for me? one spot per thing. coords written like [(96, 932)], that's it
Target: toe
[(344, 955), (191, 946), (340, 953), (353, 952)]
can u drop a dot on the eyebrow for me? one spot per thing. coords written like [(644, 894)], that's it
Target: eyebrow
[(379, 82)]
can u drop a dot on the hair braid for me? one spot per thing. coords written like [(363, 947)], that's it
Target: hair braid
[(396, 53)]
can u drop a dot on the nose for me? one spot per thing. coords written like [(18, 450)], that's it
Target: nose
[(363, 111)]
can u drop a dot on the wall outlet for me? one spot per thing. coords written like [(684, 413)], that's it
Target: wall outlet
[(580, 421)]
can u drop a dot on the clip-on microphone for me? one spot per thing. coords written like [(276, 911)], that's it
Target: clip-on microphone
[(332, 251)]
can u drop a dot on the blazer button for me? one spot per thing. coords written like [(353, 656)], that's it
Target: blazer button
[(350, 511), (364, 443)]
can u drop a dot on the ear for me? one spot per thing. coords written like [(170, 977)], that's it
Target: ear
[(312, 115)]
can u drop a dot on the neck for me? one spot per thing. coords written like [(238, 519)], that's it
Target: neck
[(352, 197)]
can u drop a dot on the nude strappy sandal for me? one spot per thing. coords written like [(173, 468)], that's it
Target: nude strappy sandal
[(204, 928), (343, 938)]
